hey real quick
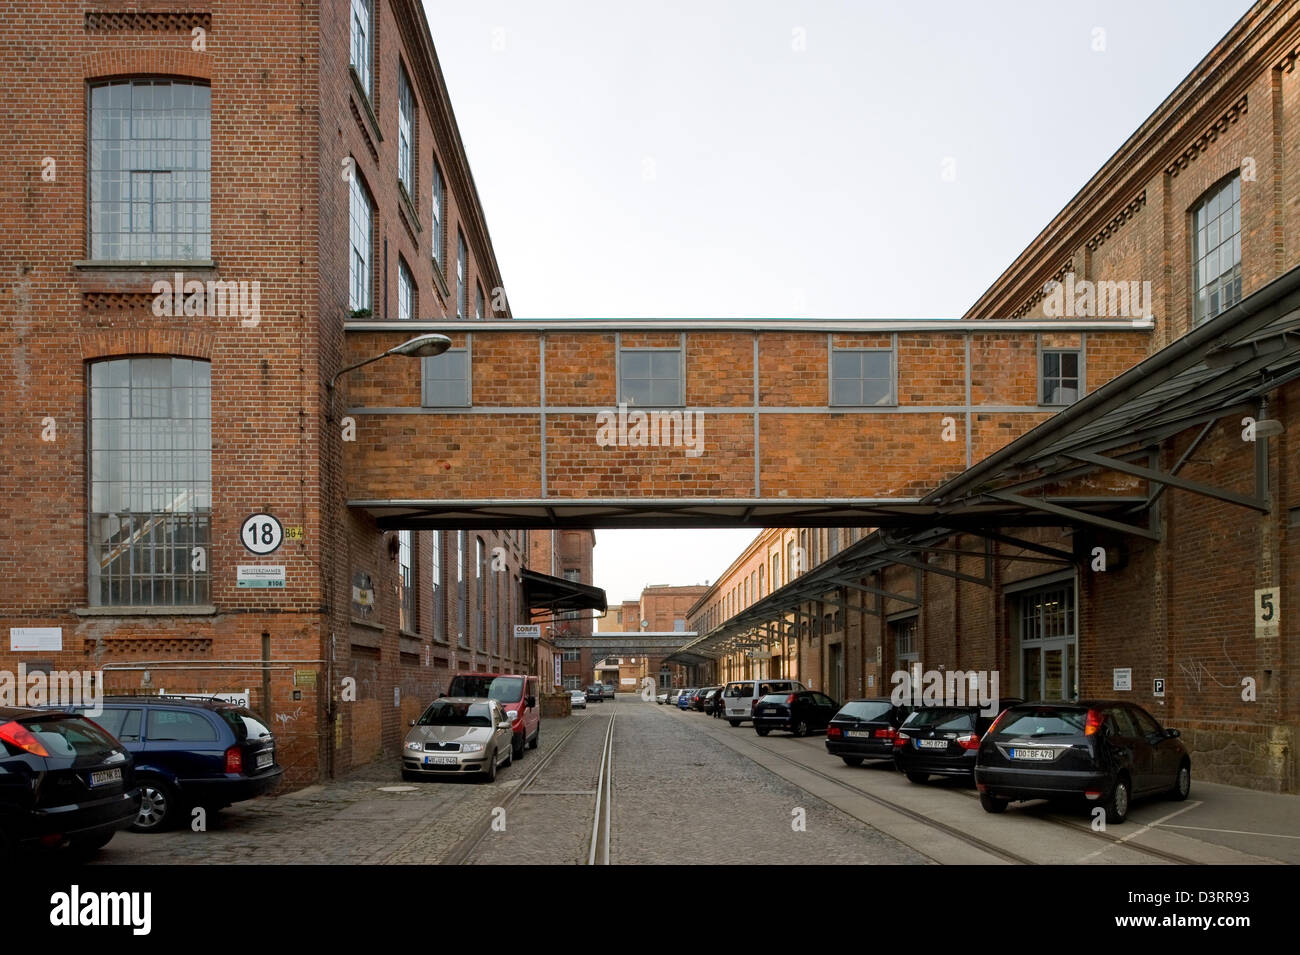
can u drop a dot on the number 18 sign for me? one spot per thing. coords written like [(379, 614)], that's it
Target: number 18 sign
[(261, 534)]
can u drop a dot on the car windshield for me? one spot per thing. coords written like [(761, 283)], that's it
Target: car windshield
[(70, 737), (452, 713), (1042, 721), (942, 718), (866, 710), (245, 724)]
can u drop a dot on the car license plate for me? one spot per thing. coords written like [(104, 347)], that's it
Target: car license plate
[(858, 733), (265, 758), (105, 777), (932, 744), (1033, 753), (440, 760)]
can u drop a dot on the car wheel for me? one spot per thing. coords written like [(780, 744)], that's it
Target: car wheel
[(490, 774), (1116, 804), (799, 728), (517, 745), (532, 744), (852, 760), (734, 722), (914, 777), (761, 730), (992, 803), (158, 805), (1182, 783)]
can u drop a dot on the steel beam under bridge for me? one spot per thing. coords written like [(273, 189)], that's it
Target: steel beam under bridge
[(621, 645)]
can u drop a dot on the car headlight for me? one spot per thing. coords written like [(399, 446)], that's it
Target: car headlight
[(471, 747), (417, 746)]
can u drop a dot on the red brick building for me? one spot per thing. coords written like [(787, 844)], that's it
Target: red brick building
[(194, 205), (1175, 605)]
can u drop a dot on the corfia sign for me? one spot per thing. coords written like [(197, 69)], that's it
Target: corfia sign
[(528, 631)]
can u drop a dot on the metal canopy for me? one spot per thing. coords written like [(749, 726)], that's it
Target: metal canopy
[(1220, 368), (544, 592)]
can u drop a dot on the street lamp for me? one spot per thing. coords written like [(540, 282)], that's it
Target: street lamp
[(422, 346)]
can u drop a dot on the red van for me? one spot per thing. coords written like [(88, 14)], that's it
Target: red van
[(516, 693)]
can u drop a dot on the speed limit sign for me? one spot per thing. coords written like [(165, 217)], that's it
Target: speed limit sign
[(261, 534)]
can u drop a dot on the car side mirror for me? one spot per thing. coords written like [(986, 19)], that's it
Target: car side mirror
[(530, 701)]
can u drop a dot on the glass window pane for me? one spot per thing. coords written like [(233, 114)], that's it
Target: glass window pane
[(636, 364)]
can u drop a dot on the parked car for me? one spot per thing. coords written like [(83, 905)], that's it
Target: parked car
[(517, 695), (865, 729), (662, 696), (684, 698), (577, 700), (191, 751), (595, 693), (1105, 752), (712, 700), (610, 690), (697, 698), (741, 696), (942, 740), (63, 781), (801, 712), (459, 734)]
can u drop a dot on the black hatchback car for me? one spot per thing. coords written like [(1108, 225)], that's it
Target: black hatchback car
[(942, 740), (865, 729), (1102, 751), (191, 752), (63, 780), (800, 712)]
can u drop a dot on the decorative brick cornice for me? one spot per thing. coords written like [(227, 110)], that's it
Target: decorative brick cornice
[(1121, 217), (1287, 63), (108, 343), (122, 62), (365, 133), (1234, 113), (111, 21), (1037, 297)]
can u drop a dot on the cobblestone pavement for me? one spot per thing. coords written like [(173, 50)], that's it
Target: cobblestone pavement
[(680, 796), (347, 820)]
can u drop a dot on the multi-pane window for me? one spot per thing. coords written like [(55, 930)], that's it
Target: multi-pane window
[(405, 290), (650, 377), (150, 482), (575, 576), (905, 648), (462, 589), (1216, 249), (405, 133), (1047, 614), (776, 571), (439, 212), (446, 379), (462, 276), (572, 656), (862, 376), (360, 47), (360, 244), (480, 591), (150, 171), (439, 595), (406, 581), (1060, 377), (760, 582), (478, 300)]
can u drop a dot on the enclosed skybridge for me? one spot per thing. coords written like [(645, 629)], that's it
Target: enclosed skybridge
[(708, 423)]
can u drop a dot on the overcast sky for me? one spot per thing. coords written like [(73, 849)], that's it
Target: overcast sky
[(754, 158)]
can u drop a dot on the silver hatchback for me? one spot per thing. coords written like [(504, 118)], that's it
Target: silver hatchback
[(458, 734)]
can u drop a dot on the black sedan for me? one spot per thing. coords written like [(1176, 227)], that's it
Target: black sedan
[(63, 781), (800, 712), (941, 741), (1105, 752), (595, 693), (865, 729)]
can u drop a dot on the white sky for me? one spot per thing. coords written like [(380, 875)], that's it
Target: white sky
[(678, 159)]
